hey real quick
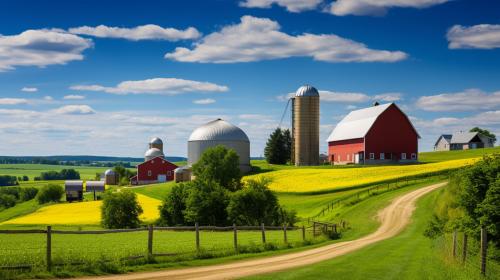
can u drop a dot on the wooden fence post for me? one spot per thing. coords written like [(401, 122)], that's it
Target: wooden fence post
[(303, 233), (263, 229), (150, 241), (49, 248), (454, 248), (484, 245), (235, 230), (197, 228), (464, 248), (284, 233), (314, 229)]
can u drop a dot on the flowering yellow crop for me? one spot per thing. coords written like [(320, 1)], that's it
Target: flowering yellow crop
[(319, 179), (81, 213)]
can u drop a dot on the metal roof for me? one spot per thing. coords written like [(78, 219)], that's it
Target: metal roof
[(73, 183), (109, 172), (154, 152), (218, 130), (462, 137), (156, 140), (357, 123), (95, 183), (306, 90), (446, 137)]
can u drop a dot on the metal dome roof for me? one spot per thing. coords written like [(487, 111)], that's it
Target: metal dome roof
[(307, 90), (109, 172), (156, 140), (154, 152), (218, 130)]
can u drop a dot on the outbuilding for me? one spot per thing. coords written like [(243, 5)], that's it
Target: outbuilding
[(155, 170), (74, 190), (378, 134), (95, 187)]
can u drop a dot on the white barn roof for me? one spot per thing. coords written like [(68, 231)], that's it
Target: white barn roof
[(357, 123), (462, 137)]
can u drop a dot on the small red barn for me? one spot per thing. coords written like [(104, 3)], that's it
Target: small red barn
[(155, 170), (378, 134)]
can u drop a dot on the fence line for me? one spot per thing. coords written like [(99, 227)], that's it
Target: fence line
[(318, 229)]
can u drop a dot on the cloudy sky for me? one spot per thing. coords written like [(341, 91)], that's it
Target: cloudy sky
[(101, 78)]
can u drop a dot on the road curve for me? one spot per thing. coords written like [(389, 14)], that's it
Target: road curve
[(393, 220)]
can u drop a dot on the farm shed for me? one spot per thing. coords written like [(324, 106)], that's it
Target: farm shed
[(219, 132), (378, 134), (463, 141), (182, 174), (74, 190), (95, 187)]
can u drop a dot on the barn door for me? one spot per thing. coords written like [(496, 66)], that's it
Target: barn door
[(162, 178)]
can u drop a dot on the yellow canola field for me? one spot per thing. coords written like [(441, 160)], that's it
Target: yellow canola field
[(81, 213), (322, 179)]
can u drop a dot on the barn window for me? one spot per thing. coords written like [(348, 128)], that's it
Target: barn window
[(403, 155), (149, 172), (413, 156), (382, 156), (372, 155)]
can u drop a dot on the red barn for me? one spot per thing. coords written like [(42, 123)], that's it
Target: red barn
[(378, 134), (155, 170)]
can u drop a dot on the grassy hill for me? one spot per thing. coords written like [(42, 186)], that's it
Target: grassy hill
[(451, 155)]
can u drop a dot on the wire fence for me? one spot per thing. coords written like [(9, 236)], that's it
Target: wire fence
[(49, 248)]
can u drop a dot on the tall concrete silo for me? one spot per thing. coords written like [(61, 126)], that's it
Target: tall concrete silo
[(305, 126)]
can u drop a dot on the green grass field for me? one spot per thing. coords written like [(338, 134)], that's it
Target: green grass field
[(409, 255), (451, 155), (34, 170)]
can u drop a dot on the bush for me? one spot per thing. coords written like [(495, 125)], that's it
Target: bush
[(6, 180), (50, 193), (7, 200), (14, 191), (28, 193), (121, 210), (174, 205), (65, 174), (220, 165), (206, 204), (26, 178)]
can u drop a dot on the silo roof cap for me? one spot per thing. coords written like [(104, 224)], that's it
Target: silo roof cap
[(109, 172), (156, 140), (306, 90), (218, 130)]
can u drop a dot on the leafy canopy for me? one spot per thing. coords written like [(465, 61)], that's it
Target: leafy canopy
[(278, 148), (121, 210), (220, 165)]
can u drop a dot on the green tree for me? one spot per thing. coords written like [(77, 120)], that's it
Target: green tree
[(219, 165), (26, 178), (484, 132), (174, 205), (206, 204), (278, 148), (7, 200), (28, 193), (254, 204), (50, 193), (121, 210)]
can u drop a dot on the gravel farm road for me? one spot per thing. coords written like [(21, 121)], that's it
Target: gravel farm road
[(393, 220)]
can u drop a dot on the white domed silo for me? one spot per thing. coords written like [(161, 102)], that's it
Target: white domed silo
[(152, 153), (219, 132), (305, 126), (111, 177), (156, 143)]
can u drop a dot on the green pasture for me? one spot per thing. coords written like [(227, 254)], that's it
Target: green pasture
[(34, 170), (460, 154)]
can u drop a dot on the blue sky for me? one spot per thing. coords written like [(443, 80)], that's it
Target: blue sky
[(101, 78)]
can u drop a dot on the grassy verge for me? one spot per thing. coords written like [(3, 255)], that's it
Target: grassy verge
[(409, 255)]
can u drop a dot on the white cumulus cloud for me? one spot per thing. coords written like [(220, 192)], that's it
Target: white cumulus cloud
[(205, 101), (294, 6), (75, 110), (13, 101), (377, 7), (73, 97), (388, 97), (344, 97), (29, 89), (163, 86), (40, 48), (142, 32), (255, 39), (482, 36), (468, 100)]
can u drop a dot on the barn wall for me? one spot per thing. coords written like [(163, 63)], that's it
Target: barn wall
[(158, 166), (341, 149), (391, 134), (442, 145)]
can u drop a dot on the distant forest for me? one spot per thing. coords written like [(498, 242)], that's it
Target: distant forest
[(100, 161)]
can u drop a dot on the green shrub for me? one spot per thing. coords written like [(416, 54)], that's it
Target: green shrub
[(28, 193), (174, 205), (6, 180), (50, 193), (7, 200), (14, 191), (121, 210)]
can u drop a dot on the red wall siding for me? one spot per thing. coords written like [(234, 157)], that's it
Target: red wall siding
[(392, 133), (158, 166), (340, 149)]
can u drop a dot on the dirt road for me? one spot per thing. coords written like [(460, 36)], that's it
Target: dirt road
[(393, 219)]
